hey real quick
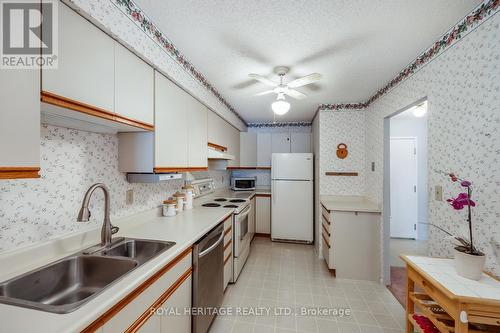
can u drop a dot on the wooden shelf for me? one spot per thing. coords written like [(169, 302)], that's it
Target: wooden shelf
[(338, 173), (434, 312)]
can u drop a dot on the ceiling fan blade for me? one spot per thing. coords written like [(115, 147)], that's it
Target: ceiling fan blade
[(263, 79), (295, 94), (304, 80), (264, 93)]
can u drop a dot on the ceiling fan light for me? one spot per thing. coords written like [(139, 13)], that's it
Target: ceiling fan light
[(280, 107)]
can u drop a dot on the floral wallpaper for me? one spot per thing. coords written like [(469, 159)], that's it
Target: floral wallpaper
[(35, 210), (342, 126), (462, 87)]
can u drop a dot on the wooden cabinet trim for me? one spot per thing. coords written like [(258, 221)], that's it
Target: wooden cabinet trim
[(227, 245), (217, 147), (248, 168), (67, 103), (19, 172), (104, 318), (325, 230), (326, 241), (178, 169), (227, 258), (325, 219), (228, 231), (162, 299), (262, 195)]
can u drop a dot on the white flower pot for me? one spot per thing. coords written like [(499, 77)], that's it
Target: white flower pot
[(469, 266)]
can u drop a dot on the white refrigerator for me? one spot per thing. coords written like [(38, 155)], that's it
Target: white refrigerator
[(292, 189)]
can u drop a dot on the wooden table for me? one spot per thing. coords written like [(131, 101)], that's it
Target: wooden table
[(453, 303)]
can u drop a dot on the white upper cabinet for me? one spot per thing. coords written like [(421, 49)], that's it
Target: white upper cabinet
[(197, 139), (248, 149), (133, 86), (171, 124), (264, 149), (85, 70), (280, 142), (19, 123), (221, 133), (300, 142), (233, 145)]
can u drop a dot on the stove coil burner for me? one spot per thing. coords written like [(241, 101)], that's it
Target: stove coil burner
[(231, 206), (211, 204), (237, 200), (220, 200)]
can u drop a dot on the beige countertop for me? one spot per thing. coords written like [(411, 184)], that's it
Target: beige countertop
[(184, 229), (228, 193), (349, 204)]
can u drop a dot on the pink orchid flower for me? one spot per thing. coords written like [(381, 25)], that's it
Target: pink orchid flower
[(461, 201)]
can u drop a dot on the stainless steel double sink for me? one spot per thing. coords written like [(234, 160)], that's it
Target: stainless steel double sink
[(66, 284)]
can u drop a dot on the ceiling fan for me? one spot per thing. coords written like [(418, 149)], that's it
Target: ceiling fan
[(281, 106)]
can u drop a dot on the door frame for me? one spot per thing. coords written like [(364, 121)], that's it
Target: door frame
[(386, 192), (415, 141)]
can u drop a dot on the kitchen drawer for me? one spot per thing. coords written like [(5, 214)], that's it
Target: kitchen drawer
[(326, 222), (326, 230), (228, 247), (325, 247), (228, 266), (228, 223), (121, 321), (327, 216)]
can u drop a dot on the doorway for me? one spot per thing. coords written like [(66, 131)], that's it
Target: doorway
[(405, 192)]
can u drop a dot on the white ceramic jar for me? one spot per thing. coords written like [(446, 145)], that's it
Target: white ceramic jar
[(169, 208), (179, 198), (188, 193)]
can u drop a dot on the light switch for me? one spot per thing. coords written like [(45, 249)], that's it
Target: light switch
[(130, 197), (438, 193), (373, 166)]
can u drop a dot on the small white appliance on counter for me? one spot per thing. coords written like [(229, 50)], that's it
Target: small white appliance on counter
[(243, 183), (292, 189)]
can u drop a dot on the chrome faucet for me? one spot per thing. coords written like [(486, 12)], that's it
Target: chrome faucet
[(108, 229)]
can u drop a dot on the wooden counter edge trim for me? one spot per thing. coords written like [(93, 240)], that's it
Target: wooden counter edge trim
[(216, 146), (227, 258), (227, 245), (67, 103), (162, 299), (263, 195), (106, 316), (335, 173), (178, 169), (19, 172), (248, 168), (326, 241), (444, 290)]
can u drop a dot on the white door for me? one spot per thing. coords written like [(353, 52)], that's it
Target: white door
[(403, 158), (280, 142), (292, 210), (292, 166)]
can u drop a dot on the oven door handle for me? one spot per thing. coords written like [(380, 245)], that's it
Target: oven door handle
[(212, 247)]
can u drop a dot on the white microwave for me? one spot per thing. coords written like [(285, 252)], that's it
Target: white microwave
[(243, 183)]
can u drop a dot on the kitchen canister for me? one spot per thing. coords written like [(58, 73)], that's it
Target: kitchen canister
[(188, 193), (169, 207), (179, 198)]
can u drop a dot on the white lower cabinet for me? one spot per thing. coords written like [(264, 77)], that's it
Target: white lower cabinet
[(355, 233), (251, 218), (228, 250), (263, 214), (136, 315)]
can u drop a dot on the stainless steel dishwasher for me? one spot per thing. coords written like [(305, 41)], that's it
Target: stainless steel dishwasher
[(208, 278)]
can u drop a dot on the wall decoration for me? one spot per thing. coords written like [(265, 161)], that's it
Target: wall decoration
[(281, 124), (342, 151)]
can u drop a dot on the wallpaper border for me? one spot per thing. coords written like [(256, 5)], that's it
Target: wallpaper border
[(281, 124), (137, 15), (477, 16)]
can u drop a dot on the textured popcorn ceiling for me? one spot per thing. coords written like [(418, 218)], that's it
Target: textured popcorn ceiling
[(358, 46)]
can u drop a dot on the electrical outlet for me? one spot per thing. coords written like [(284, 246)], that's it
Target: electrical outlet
[(438, 193), (130, 197), (373, 166)]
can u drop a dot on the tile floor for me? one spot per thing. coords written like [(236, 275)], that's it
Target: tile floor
[(290, 276)]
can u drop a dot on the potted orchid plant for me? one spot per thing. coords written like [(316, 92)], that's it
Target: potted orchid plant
[(469, 261)]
